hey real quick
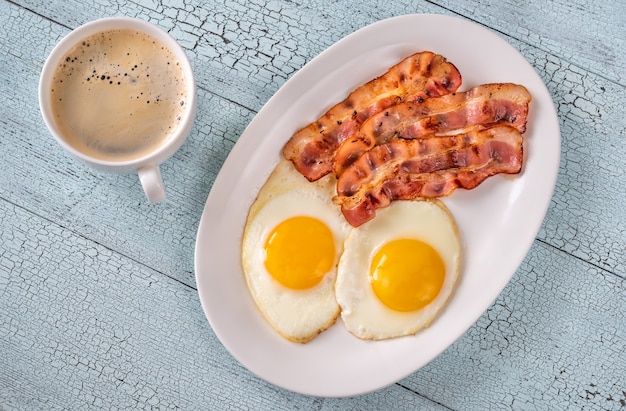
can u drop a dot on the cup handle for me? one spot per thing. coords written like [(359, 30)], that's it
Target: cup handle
[(152, 183)]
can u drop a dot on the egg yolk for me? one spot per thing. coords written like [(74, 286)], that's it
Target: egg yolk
[(299, 252), (407, 274)]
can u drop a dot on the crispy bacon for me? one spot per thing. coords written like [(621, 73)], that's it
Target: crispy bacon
[(427, 168), (418, 77), (487, 104)]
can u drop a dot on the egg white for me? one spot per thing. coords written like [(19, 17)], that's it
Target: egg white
[(298, 315), (363, 314)]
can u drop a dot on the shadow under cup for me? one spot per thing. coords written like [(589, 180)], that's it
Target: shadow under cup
[(119, 94)]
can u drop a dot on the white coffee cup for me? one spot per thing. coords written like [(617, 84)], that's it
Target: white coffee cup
[(70, 115)]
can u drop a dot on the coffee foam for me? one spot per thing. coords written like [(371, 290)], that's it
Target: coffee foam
[(118, 95)]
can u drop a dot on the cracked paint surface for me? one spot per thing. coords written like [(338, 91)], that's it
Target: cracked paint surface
[(94, 283), (84, 327), (589, 108)]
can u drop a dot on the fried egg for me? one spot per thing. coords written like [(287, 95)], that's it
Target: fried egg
[(398, 270), (290, 249)]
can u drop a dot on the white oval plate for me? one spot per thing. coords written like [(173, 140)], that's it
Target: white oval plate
[(497, 221)]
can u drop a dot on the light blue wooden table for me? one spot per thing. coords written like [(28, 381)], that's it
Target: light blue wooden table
[(98, 302)]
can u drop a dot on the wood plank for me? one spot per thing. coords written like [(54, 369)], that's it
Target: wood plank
[(105, 207), (240, 50), (84, 321), (591, 116), (561, 28), (554, 339), (247, 50), (82, 326)]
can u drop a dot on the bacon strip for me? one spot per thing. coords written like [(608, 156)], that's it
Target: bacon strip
[(487, 104), (428, 168), (418, 77)]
